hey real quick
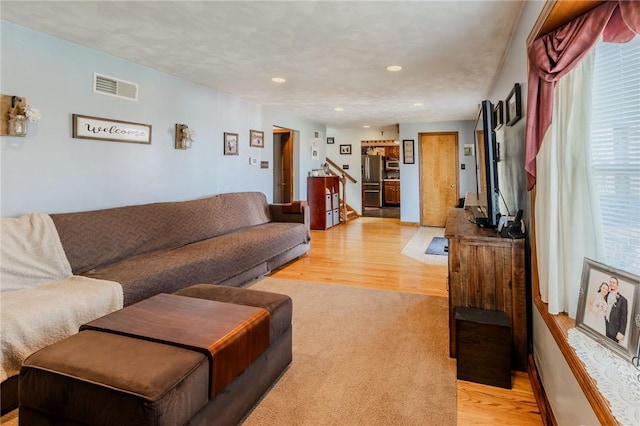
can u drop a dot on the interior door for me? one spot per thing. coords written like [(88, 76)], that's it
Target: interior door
[(439, 185), (282, 165)]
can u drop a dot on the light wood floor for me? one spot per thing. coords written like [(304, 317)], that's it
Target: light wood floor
[(365, 252)]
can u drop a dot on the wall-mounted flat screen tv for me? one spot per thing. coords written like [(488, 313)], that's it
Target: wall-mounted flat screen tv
[(488, 212)]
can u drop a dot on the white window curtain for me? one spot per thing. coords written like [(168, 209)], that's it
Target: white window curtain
[(567, 215)]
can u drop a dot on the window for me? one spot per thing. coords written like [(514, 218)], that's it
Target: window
[(615, 154)]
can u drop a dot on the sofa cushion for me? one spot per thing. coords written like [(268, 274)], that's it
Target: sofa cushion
[(210, 261), (97, 238), (107, 379)]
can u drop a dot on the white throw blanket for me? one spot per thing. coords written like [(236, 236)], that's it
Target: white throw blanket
[(39, 316), (30, 252), (41, 302)]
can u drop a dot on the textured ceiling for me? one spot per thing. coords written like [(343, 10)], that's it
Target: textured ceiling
[(332, 53)]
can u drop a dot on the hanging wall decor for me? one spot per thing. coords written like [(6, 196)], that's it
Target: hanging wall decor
[(514, 105), (230, 143), (106, 129), (256, 138)]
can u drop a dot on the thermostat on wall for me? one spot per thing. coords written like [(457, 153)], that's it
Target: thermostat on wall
[(253, 161)]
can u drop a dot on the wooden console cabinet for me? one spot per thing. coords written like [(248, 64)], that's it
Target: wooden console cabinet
[(487, 272), (323, 196)]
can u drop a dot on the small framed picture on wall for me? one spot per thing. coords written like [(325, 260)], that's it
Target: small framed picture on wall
[(407, 151), (256, 138), (514, 106), (230, 143)]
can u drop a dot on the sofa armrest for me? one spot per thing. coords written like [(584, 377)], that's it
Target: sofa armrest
[(297, 211)]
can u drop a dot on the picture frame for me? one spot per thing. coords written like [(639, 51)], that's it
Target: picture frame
[(498, 115), (256, 138), (408, 156), (593, 307), (230, 143), (330, 141), (107, 129), (513, 108), (345, 149)]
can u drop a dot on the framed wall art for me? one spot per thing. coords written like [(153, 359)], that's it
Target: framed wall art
[(514, 105), (106, 129), (230, 143), (256, 138), (498, 115), (345, 149), (330, 141), (608, 307), (407, 151)]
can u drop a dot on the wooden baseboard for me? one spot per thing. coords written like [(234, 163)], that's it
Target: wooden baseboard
[(548, 419)]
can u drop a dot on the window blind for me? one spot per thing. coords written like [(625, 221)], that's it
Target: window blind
[(615, 150)]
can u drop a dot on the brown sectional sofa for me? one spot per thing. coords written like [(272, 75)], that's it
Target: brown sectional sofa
[(226, 239)]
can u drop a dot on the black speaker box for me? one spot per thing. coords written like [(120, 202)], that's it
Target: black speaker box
[(483, 342)]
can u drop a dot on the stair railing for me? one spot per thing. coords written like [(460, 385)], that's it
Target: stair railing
[(343, 176)]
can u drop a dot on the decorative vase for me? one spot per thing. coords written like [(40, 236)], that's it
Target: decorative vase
[(17, 125)]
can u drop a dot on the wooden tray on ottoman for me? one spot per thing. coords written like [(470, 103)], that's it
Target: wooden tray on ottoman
[(231, 336)]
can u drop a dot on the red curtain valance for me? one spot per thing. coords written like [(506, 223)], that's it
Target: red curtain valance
[(555, 54)]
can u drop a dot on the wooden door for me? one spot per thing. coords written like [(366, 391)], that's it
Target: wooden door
[(438, 177), (283, 165)]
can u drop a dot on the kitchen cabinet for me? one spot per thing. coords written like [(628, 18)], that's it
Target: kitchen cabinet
[(392, 151), (392, 192), (487, 271), (323, 197)]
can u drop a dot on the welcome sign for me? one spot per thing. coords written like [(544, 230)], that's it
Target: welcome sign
[(105, 129)]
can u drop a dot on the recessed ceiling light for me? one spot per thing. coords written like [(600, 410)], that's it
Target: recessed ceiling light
[(418, 104), (394, 68), (366, 127), (338, 109), (278, 80)]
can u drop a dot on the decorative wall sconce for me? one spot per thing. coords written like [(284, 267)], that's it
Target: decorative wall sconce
[(184, 136), (14, 115)]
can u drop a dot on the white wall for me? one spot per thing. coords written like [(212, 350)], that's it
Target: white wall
[(49, 171), (567, 400)]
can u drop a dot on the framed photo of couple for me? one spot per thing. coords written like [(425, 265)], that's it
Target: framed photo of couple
[(609, 307)]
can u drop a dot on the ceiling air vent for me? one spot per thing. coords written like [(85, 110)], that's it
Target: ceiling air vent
[(106, 85)]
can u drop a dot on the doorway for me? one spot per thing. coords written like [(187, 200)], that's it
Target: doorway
[(283, 155), (439, 181)]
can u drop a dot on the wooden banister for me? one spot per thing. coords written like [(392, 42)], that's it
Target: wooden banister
[(343, 176), (342, 172)]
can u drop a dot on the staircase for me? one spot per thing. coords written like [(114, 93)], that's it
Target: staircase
[(347, 212)]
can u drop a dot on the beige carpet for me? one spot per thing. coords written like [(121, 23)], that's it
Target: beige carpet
[(417, 246), (362, 357)]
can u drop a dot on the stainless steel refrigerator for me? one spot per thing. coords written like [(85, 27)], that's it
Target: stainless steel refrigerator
[(372, 180)]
